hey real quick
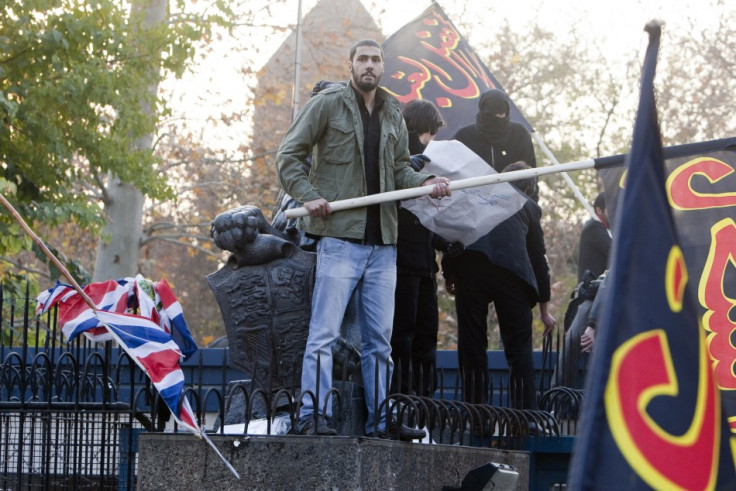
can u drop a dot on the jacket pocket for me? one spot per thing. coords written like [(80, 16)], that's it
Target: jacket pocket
[(339, 142)]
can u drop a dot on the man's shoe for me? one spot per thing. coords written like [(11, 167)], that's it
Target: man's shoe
[(536, 430), (322, 428), (401, 432)]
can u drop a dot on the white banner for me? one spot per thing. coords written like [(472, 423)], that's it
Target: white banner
[(469, 213)]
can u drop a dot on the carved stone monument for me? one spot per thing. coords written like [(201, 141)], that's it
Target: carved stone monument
[(266, 308), (264, 292)]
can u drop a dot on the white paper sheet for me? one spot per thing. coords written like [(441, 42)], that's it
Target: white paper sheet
[(469, 213)]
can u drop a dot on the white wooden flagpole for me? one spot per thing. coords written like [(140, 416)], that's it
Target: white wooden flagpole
[(401, 194), (568, 180)]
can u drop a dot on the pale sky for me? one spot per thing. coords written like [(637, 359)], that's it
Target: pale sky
[(619, 22), (615, 25)]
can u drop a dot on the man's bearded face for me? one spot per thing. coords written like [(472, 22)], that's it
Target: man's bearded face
[(366, 68)]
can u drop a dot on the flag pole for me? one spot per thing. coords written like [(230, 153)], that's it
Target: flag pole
[(46, 251), (416, 192), (16, 216), (568, 179), (217, 451), (297, 62)]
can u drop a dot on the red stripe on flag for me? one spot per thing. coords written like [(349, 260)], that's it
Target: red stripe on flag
[(160, 364)]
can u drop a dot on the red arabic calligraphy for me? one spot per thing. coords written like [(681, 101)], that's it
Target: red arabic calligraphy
[(456, 71)]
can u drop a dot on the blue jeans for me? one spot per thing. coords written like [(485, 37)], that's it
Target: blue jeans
[(370, 271)]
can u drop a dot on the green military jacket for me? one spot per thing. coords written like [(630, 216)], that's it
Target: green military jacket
[(330, 127)]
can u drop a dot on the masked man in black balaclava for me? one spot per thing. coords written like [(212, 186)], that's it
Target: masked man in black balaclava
[(495, 138), (507, 266)]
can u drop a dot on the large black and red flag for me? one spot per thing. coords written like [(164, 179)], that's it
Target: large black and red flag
[(429, 59), (700, 182), (652, 415)]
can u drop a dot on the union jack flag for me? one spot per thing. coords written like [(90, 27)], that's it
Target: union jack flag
[(156, 301), (157, 354), (156, 340), (76, 316)]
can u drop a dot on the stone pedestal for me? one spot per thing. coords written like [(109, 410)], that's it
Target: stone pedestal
[(311, 462)]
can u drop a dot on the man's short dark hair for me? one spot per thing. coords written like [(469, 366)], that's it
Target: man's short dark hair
[(422, 116), (600, 201), (527, 186), (364, 42)]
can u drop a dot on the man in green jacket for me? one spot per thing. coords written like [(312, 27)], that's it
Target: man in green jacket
[(359, 146)]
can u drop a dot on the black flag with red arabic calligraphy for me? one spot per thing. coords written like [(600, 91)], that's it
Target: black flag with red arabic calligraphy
[(700, 180), (652, 416), (429, 59)]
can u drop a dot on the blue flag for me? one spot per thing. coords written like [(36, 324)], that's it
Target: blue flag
[(652, 416)]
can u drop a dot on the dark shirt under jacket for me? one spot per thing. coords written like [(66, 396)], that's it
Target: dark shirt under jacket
[(371, 144), (595, 245)]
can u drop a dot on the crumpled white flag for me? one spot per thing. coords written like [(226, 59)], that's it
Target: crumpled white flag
[(469, 213)]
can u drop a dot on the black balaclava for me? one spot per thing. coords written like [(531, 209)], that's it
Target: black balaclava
[(491, 103)]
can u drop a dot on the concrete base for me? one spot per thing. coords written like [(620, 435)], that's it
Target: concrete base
[(183, 462)]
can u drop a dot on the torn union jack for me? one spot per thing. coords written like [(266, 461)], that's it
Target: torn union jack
[(156, 340), (75, 316), (157, 302), (156, 353)]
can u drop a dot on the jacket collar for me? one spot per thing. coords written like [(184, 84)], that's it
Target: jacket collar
[(389, 102)]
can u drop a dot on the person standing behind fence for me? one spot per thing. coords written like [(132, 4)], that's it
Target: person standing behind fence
[(359, 147), (414, 337), (500, 142), (595, 241), (508, 267), (594, 248)]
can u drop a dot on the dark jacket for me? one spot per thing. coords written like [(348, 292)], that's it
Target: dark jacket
[(497, 140), (414, 250), (517, 244), (516, 146), (595, 245)]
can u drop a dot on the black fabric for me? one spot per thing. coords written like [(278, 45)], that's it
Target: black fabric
[(478, 282), (415, 145), (595, 247), (414, 337), (414, 251), (517, 245), (586, 290), (371, 144), (517, 146), (496, 140), (491, 104)]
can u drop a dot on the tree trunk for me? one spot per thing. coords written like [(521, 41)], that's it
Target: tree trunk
[(118, 249), (118, 257)]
